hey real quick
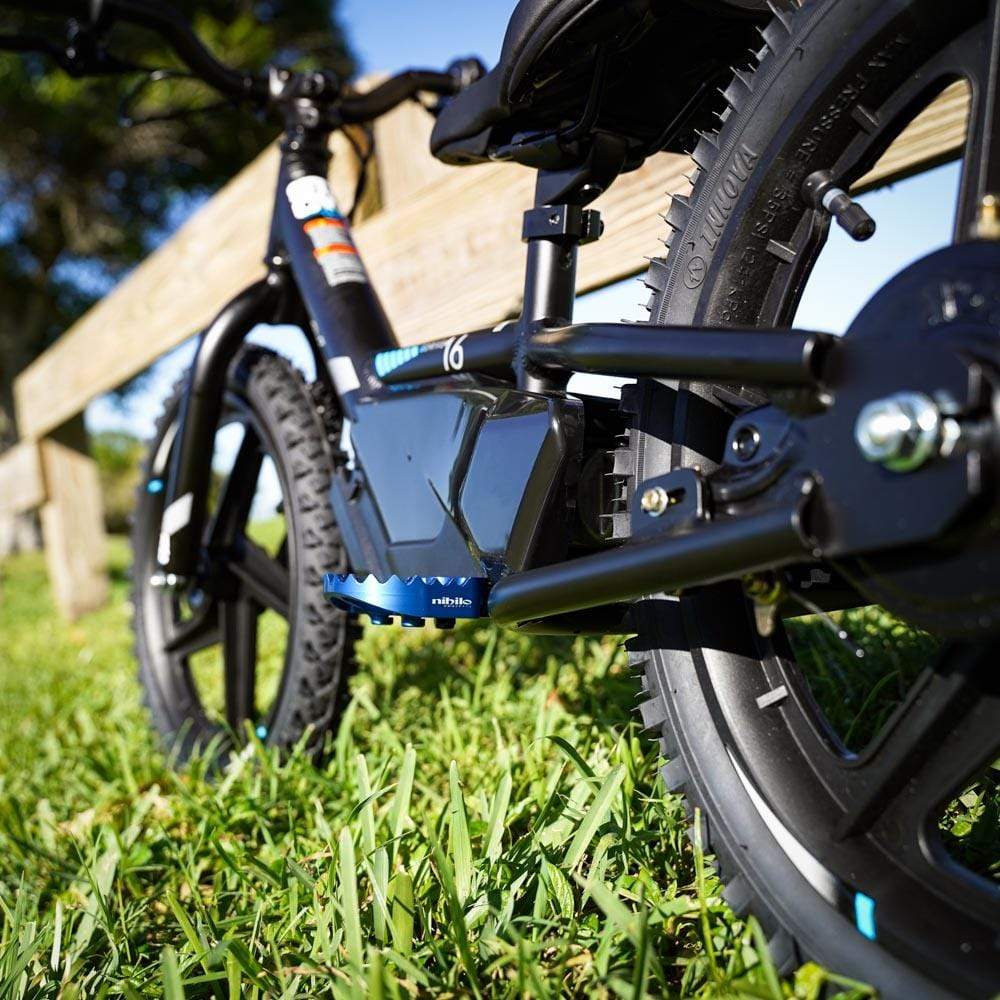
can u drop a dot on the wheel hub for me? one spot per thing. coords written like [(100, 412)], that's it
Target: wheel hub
[(933, 436)]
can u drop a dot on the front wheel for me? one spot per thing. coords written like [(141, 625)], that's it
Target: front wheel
[(252, 640)]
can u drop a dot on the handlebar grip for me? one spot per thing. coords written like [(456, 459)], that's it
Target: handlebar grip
[(386, 96), (383, 98), (172, 26)]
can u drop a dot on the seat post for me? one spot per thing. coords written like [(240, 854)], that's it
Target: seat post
[(554, 230)]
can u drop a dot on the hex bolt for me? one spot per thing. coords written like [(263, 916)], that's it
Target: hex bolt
[(655, 501), (901, 432), (746, 442)]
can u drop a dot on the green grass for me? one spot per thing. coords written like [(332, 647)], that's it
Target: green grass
[(488, 822)]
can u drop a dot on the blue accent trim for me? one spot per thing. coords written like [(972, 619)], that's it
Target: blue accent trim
[(154, 486), (864, 915), (414, 599), (388, 361)]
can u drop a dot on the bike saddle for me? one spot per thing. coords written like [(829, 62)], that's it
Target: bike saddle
[(462, 132), (553, 51)]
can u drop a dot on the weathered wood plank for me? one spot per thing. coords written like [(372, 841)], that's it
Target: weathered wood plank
[(73, 530), (937, 134), (405, 164), (22, 487), (438, 276)]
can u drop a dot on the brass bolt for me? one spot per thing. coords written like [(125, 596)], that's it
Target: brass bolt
[(988, 223), (655, 501)]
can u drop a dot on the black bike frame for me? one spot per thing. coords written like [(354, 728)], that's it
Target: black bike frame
[(343, 320), (340, 313), (356, 352)]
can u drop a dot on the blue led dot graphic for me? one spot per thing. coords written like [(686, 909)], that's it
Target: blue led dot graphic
[(864, 915)]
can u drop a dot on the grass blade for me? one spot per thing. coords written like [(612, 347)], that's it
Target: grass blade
[(401, 905), (498, 814), (458, 925), (400, 810), (461, 847), (173, 987), (594, 818), (349, 901)]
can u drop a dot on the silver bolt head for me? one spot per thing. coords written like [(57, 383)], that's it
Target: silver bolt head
[(900, 432), (655, 501)]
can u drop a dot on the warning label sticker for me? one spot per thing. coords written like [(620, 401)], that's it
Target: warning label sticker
[(312, 202)]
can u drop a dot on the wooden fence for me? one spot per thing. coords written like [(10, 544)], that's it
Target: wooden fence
[(429, 221)]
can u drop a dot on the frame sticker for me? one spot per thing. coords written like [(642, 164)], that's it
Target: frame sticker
[(313, 204)]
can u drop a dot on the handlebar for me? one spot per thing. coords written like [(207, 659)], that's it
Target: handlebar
[(242, 86), (383, 98), (171, 26)]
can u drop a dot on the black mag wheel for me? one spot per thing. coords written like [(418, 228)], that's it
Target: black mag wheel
[(254, 641), (827, 808)]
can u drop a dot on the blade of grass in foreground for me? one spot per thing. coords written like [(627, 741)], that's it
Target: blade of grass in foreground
[(461, 847), (349, 901), (173, 988), (399, 813), (595, 817), (458, 925), (498, 815)]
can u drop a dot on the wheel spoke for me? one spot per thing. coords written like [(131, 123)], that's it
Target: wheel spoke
[(263, 577), (935, 740), (237, 494), (239, 629), (198, 633)]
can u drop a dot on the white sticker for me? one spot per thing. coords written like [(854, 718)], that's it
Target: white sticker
[(345, 376), (341, 265), (177, 515), (454, 354), (309, 196)]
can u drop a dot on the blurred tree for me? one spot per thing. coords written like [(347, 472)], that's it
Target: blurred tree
[(83, 200)]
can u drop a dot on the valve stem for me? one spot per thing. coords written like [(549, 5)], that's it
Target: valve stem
[(821, 191)]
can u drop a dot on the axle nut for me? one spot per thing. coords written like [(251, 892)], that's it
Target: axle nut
[(900, 432), (655, 501)]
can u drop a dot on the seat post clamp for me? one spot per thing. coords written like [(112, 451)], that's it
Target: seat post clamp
[(562, 222)]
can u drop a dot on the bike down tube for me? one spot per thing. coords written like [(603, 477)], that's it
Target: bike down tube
[(346, 317)]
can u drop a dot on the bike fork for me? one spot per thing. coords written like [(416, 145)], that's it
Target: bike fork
[(186, 498)]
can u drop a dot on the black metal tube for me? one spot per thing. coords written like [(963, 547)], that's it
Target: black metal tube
[(395, 90), (485, 352), (186, 497), (718, 551), (347, 318), (764, 357)]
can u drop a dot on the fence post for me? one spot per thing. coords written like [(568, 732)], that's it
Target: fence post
[(76, 546)]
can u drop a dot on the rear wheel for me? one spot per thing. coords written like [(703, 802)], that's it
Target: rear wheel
[(252, 640), (830, 834)]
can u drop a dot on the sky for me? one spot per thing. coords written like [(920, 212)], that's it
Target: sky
[(914, 217)]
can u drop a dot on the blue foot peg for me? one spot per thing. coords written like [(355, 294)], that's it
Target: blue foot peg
[(413, 600)]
